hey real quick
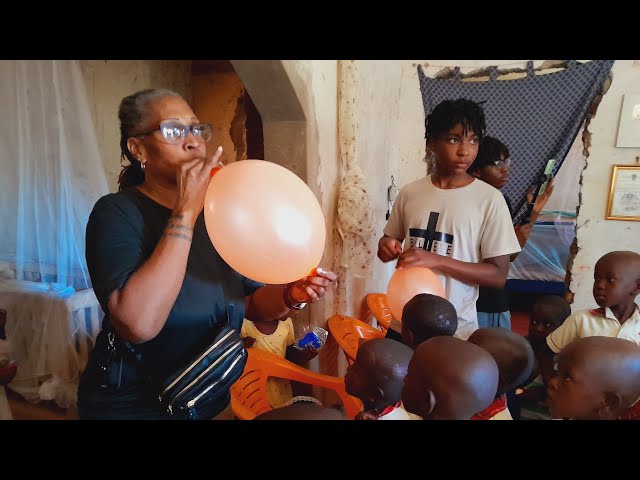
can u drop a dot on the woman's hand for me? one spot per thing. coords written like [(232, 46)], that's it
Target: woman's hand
[(312, 288), (193, 180)]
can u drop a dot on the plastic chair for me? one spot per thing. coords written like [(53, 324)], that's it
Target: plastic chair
[(348, 331), (377, 303), (249, 393)]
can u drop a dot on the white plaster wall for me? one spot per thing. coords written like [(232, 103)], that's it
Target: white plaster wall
[(597, 236), (215, 101), (390, 133), (315, 83), (109, 81)]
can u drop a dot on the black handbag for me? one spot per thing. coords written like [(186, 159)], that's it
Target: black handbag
[(203, 385), (199, 390)]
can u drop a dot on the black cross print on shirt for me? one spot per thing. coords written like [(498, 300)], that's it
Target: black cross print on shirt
[(430, 237)]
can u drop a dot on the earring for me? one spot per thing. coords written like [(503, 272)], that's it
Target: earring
[(142, 162)]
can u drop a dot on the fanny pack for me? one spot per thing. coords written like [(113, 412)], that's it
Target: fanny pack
[(203, 384), (200, 388)]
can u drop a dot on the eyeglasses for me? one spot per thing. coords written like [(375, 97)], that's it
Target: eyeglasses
[(174, 132), (500, 163)]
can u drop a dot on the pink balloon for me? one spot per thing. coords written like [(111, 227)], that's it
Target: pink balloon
[(264, 221), (406, 283)]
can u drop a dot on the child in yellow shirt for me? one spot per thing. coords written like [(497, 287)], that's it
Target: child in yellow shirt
[(276, 337)]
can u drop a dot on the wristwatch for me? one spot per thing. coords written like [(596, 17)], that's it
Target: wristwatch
[(286, 298)]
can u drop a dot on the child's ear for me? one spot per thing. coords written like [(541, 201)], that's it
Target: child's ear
[(373, 397), (430, 403), (610, 407), (409, 338), (475, 173), (636, 291), (379, 394)]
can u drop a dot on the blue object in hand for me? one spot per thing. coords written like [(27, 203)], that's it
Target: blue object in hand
[(310, 339)]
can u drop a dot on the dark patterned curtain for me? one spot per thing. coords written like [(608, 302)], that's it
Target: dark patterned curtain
[(537, 117)]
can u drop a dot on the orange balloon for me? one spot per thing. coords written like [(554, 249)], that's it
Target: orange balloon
[(406, 283), (264, 221)]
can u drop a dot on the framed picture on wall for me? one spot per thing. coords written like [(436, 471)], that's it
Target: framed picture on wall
[(624, 193)]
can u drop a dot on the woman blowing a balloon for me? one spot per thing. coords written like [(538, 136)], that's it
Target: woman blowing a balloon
[(159, 279)]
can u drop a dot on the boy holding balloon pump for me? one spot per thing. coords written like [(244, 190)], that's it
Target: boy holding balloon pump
[(451, 222)]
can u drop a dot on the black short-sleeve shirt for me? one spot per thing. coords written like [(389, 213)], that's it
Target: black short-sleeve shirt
[(123, 230)]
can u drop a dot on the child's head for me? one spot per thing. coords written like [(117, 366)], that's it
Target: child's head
[(426, 316), (547, 314), (302, 411), (492, 163), (376, 377), (616, 279), (511, 352), (453, 130), (597, 378), (449, 379)]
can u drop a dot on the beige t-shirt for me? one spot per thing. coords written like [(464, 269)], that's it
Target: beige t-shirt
[(469, 224), (278, 389)]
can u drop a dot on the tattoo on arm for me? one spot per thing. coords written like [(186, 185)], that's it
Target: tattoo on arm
[(175, 229), (177, 226), (177, 235)]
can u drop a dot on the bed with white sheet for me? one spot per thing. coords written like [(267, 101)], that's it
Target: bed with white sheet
[(52, 176), (52, 330)]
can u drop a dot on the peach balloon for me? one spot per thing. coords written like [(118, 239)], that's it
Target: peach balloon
[(406, 283), (264, 221)]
